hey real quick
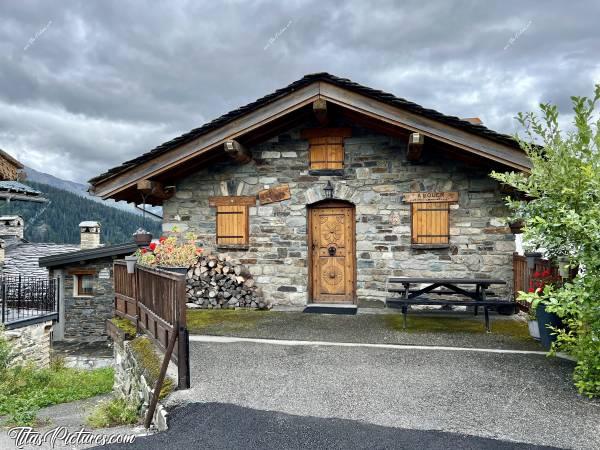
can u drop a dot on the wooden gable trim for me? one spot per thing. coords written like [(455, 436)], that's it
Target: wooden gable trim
[(215, 139), (232, 201), (506, 155), (209, 141)]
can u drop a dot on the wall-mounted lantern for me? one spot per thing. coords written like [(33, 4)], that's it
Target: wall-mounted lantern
[(328, 190)]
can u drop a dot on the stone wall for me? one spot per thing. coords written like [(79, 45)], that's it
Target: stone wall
[(31, 344), (131, 383), (85, 317), (376, 175)]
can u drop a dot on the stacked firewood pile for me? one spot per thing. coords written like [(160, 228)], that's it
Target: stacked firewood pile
[(218, 281)]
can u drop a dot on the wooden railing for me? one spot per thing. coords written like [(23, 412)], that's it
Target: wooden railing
[(154, 300)]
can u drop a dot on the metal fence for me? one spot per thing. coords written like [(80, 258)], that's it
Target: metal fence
[(25, 299)]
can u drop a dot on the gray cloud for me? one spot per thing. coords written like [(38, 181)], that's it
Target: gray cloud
[(109, 80)]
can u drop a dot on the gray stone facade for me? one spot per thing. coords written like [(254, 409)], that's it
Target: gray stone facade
[(31, 344), (375, 176), (85, 317)]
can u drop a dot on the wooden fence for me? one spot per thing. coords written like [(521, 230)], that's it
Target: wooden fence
[(154, 300), (523, 275)]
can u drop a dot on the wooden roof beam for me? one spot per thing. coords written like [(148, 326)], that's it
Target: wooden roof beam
[(415, 147), (237, 152), (320, 111)]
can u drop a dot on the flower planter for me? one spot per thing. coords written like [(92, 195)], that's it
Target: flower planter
[(182, 270), (131, 262), (545, 319), (534, 329)]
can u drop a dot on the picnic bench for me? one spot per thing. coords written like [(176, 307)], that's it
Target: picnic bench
[(476, 291)]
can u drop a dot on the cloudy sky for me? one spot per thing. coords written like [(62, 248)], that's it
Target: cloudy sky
[(85, 85)]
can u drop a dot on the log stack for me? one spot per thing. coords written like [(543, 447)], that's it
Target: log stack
[(220, 282)]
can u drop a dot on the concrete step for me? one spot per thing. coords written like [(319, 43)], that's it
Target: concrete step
[(331, 308)]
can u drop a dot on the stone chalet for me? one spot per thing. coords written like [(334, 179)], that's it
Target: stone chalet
[(324, 188)]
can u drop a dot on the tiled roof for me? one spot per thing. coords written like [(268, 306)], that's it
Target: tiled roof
[(381, 96), (19, 188), (22, 257)]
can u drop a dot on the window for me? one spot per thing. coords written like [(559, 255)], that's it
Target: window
[(84, 285), (430, 223), (232, 220), (326, 147)]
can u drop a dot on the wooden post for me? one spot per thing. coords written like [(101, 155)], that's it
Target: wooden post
[(415, 147), (161, 378), (183, 350), (237, 152)]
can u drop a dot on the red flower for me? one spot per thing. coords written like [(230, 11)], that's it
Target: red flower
[(531, 290), (143, 251), (152, 246), (536, 275), (546, 273), (162, 239)]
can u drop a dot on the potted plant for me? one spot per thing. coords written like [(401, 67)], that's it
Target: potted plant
[(516, 226), (142, 238), (171, 253), (130, 260), (541, 288)]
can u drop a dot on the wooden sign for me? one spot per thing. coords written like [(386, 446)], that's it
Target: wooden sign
[(430, 197), (274, 194)]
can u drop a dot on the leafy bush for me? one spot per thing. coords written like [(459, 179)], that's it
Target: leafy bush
[(113, 412), (6, 355), (171, 252), (562, 216)]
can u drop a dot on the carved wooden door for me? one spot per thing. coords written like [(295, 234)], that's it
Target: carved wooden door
[(332, 253)]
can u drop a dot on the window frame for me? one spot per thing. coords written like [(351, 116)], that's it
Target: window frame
[(243, 202), (78, 287)]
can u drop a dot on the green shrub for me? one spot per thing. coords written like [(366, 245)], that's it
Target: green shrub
[(562, 216), (113, 412), (126, 326), (6, 355)]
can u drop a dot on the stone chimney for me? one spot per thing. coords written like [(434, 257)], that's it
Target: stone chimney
[(90, 234), (12, 226)]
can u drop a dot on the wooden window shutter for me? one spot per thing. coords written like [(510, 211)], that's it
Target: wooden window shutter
[(326, 147), (430, 223), (232, 225)]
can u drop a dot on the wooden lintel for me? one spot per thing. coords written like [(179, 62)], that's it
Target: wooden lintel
[(155, 189), (232, 200), (310, 133), (237, 152), (320, 111), (415, 147)]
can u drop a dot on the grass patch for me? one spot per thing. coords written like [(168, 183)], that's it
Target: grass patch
[(419, 324), (126, 326), (113, 412), (146, 356), (24, 390), (199, 320)]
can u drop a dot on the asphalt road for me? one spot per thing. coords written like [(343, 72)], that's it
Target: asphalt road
[(225, 426), (254, 395)]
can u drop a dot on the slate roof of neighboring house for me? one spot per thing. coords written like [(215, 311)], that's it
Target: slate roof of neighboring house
[(382, 96), (20, 188), (88, 255), (22, 257)]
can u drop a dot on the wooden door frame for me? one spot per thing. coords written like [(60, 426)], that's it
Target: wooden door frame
[(333, 203)]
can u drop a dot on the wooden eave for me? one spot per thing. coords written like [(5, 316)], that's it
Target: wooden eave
[(284, 112)]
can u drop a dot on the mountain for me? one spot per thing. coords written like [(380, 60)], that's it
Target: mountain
[(81, 190), (58, 220)]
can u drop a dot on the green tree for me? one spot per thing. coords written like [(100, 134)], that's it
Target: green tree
[(562, 216)]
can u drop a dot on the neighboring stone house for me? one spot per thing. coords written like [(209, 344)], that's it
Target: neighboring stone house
[(324, 188), (21, 257), (86, 285)]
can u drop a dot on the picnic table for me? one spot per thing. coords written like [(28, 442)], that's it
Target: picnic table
[(475, 290)]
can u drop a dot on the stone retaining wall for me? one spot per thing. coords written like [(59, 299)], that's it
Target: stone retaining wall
[(31, 344), (131, 383)]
